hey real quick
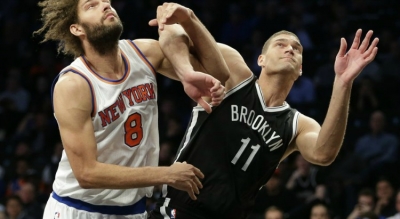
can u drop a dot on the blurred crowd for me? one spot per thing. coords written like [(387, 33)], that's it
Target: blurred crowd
[(364, 180)]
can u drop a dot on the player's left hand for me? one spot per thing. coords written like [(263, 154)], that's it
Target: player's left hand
[(170, 13), (349, 65), (198, 85)]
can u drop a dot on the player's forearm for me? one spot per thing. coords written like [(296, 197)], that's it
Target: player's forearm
[(175, 45), (332, 132), (110, 176), (206, 48)]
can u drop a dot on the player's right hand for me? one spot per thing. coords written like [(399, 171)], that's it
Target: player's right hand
[(185, 177), (198, 85), (170, 13)]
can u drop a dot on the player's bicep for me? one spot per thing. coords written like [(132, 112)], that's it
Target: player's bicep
[(305, 142), (238, 69), (72, 108), (152, 51)]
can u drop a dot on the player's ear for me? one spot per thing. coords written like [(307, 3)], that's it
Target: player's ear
[(301, 70), (76, 30), (260, 61)]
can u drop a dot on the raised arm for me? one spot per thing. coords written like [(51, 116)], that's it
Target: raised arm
[(320, 145), (190, 29), (76, 128)]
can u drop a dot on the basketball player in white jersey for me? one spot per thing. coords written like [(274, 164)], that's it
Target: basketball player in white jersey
[(106, 109)]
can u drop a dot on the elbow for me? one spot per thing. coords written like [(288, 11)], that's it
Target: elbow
[(84, 179), (324, 160)]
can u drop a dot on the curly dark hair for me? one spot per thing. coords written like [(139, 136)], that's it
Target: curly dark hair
[(57, 17)]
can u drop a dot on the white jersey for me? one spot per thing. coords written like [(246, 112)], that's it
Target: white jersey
[(125, 121)]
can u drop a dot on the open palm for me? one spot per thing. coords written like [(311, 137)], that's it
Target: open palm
[(349, 65)]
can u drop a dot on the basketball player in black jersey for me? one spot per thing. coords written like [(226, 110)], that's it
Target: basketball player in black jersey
[(240, 144)]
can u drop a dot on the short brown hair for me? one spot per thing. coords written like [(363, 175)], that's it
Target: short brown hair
[(57, 17), (266, 44)]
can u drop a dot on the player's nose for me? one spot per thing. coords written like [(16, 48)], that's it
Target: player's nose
[(106, 6)]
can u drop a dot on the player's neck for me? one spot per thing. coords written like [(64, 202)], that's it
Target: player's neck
[(274, 88), (109, 65)]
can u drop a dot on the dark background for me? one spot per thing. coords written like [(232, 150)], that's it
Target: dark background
[(30, 144)]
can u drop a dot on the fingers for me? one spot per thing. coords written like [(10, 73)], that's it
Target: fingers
[(163, 13), (217, 93), (371, 48), (190, 191), (198, 173), (198, 184), (159, 17), (153, 22), (217, 96), (356, 41), (372, 56), (216, 85), (195, 188), (343, 48), (166, 12), (204, 104), (365, 42)]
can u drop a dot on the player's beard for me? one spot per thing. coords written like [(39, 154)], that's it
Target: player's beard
[(103, 38)]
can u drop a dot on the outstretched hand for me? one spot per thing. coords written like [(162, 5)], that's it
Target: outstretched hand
[(170, 13), (198, 85), (349, 65)]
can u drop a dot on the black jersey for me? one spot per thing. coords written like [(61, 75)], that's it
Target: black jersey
[(237, 147)]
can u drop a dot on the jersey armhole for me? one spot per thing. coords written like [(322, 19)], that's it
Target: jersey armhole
[(84, 77), (295, 123), (142, 56), (239, 86)]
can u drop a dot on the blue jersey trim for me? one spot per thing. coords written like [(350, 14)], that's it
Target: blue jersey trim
[(107, 79), (76, 72), (137, 208)]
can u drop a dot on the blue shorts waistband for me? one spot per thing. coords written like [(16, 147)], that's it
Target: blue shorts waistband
[(137, 208)]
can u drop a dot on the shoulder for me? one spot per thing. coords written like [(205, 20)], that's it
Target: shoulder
[(73, 85), (151, 50), (238, 69), (307, 124), (149, 47), (71, 82)]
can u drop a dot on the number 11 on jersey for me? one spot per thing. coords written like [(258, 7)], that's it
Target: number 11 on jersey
[(255, 148)]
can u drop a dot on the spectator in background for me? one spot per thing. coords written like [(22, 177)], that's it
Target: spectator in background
[(2, 182), (167, 153), (377, 149), (273, 213), (397, 215), (16, 93), (302, 95), (304, 182), (367, 99), (236, 30), (274, 194), (385, 204), (50, 169), (365, 204), (21, 175), (27, 194), (368, 215), (15, 208), (320, 211)]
